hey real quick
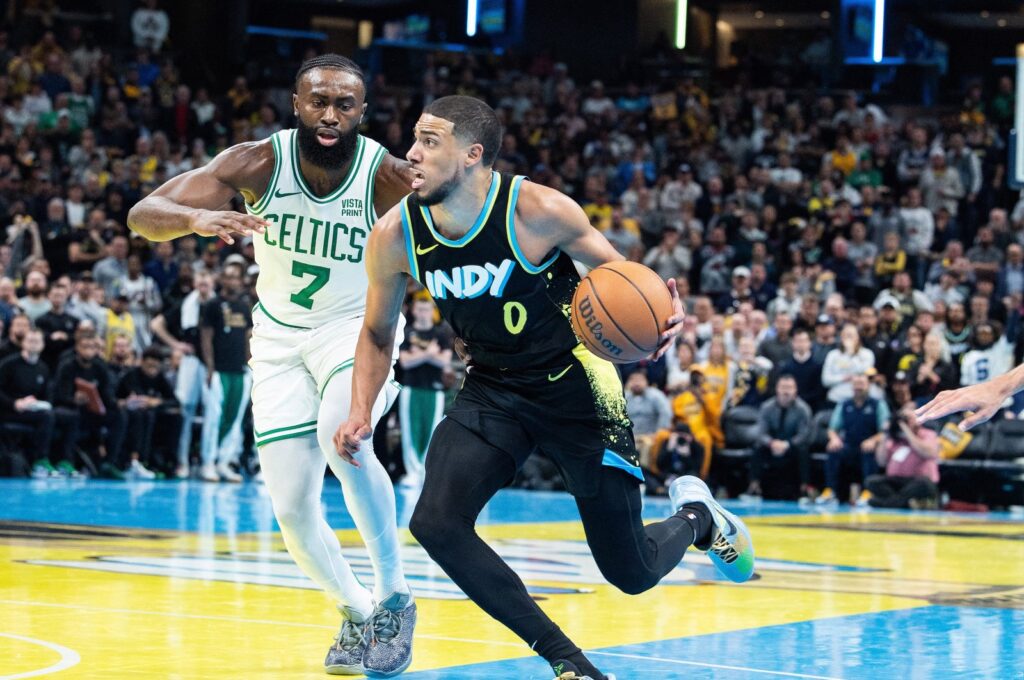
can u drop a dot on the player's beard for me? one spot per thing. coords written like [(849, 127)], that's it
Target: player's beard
[(442, 192), (332, 157)]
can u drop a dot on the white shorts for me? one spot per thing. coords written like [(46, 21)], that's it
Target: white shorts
[(291, 368)]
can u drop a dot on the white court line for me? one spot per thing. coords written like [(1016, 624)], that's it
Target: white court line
[(444, 638), (233, 619), (68, 657), (713, 665)]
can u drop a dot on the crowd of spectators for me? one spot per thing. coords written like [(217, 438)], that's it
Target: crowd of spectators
[(820, 243)]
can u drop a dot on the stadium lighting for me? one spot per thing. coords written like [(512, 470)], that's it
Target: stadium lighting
[(471, 7), (681, 8), (879, 31)]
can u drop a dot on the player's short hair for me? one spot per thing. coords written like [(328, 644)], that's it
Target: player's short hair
[(330, 60), (153, 352), (474, 122)]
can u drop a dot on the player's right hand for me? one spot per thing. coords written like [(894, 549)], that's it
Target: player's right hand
[(223, 223), (350, 437)]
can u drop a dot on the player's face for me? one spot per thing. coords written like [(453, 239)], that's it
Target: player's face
[(329, 104), (438, 159)]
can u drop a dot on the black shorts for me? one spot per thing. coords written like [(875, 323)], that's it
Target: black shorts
[(574, 413)]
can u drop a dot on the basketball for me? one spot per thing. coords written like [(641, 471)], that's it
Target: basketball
[(620, 310)]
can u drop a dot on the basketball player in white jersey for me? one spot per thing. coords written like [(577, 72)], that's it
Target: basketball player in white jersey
[(312, 195)]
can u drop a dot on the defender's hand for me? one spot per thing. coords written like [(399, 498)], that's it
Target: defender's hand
[(675, 322), (222, 223), (350, 436), (983, 399)]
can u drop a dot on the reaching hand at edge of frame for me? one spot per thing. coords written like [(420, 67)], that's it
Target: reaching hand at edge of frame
[(981, 401)]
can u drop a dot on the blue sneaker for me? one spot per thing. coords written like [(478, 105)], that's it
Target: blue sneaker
[(729, 547), (345, 657), (391, 626)]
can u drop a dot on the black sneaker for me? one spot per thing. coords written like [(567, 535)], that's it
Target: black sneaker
[(567, 670)]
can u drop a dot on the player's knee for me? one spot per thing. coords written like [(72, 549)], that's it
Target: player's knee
[(632, 580), (430, 530), (291, 514)]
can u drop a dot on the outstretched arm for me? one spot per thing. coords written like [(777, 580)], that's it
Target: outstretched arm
[(549, 219), (386, 267), (194, 202), (983, 399)]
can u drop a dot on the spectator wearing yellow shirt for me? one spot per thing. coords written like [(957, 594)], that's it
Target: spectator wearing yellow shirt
[(599, 211), (146, 158), (118, 322), (691, 407), (842, 158), (890, 261), (716, 371)]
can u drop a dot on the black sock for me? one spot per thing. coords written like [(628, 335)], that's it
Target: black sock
[(698, 517), (555, 646), (584, 666)]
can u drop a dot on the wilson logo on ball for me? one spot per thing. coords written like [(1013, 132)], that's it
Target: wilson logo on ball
[(595, 326)]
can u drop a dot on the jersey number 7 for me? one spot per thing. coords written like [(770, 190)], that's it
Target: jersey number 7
[(321, 275)]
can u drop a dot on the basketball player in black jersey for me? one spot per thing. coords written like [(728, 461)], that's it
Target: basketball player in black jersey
[(496, 252)]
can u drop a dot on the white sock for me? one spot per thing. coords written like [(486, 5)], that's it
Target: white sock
[(369, 495), (293, 471)]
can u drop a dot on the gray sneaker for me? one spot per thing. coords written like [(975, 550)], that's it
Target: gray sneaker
[(391, 625), (345, 657)]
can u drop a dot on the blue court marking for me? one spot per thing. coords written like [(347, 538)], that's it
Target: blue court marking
[(243, 508), (924, 642)]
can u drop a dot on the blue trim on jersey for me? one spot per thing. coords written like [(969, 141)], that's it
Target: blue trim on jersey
[(481, 219), (414, 268), (510, 227), (612, 459)]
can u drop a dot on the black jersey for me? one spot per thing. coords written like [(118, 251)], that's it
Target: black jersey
[(510, 313)]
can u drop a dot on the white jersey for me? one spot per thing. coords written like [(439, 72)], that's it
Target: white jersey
[(311, 255), (979, 365)]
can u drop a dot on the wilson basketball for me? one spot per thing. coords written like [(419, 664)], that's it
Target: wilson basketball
[(620, 311)]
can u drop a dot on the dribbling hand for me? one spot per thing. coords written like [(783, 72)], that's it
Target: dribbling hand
[(223, 223), (675, 322), (350, 436)]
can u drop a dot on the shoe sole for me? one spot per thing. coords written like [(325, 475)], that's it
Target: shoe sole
[(340, 669), (390, 674)]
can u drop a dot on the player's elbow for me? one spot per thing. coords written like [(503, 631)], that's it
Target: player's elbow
[(135, 221)]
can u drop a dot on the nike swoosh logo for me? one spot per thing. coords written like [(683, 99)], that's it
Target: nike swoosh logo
[(420, 250), (278, 194), (556, 377), (732, 527)]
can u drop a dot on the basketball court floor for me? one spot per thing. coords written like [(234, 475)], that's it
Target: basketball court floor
[(190, 580)]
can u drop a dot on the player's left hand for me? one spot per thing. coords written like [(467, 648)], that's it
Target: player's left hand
[(675, 322), (350, 436)]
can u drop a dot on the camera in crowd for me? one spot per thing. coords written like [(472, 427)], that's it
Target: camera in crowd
[(895, 430)]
